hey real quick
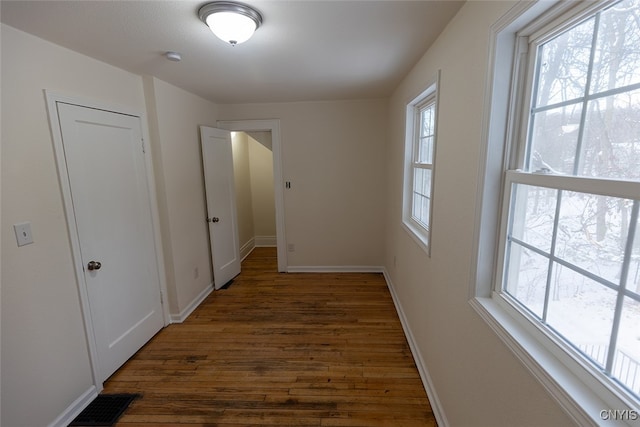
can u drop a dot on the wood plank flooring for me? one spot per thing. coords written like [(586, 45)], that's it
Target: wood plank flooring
[(280, 350)]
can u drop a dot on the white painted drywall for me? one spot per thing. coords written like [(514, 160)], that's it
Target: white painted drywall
[(332, 153), (242, 181), (262, 194), (175, 116), (255, 198), (44, 349)]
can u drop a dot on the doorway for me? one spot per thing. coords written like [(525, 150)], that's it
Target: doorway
[(255, 198), (271, 127)]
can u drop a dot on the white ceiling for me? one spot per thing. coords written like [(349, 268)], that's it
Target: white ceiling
[(305, 50)]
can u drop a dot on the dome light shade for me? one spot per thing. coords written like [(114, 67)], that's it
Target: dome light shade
[(232, 22)]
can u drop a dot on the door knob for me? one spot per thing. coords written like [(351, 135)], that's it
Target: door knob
[(94, 265), (214, 219)]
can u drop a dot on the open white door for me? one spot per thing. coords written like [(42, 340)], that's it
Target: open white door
[(217, 158), (111, 212)]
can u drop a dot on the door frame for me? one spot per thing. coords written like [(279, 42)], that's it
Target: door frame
[(52, 98), (272, 125)]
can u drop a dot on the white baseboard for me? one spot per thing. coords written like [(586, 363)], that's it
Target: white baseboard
[(257, 242), (182, 316), (265, 241), (436, 406), (75, 408), (335, 269), (246, 249)]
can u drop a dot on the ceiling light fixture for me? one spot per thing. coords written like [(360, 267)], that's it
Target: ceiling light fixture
[(230, 21)]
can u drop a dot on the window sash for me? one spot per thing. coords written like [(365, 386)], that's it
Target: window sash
[(531, 40), (602, 187), (424, 133), (622, 189), (421, 197)]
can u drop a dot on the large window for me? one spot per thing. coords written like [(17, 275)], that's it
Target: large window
[(419, 165), (570, 231)]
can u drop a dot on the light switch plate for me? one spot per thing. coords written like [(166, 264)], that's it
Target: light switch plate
[(23, 233)]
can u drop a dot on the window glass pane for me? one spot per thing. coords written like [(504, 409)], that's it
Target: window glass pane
[(581, 310), (422, 183), (617, 57), (563, 64), (421, 210), (427, 119), (592, 233), (425, 141), (421, 195), (533, 215), (425, 151), (554, 139), (527, 277), (611, 147), (626, 362)]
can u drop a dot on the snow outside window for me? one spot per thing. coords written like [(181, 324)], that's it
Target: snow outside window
[(419, 166), (570, 239)]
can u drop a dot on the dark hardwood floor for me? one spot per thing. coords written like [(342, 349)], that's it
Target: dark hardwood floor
[(280, 350)]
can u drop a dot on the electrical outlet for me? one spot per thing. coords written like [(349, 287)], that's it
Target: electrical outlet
[(23, 233), (291, 247)]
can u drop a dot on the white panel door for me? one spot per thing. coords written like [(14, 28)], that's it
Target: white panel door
[(106, 169), (217, 158)]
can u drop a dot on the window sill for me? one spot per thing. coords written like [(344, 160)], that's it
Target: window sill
[(578, 398), (417, 235)]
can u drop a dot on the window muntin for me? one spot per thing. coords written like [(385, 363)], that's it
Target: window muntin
[(571, 252)]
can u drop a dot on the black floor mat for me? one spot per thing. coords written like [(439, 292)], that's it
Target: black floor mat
[(104, 410)]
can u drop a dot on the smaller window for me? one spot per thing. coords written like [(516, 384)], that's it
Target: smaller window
[(420, 153)]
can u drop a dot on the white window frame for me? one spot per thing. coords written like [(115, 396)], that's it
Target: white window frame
[(419, 231), (588, 396)]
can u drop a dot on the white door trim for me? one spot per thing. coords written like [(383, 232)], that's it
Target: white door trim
[(52, 98), (272, 125)]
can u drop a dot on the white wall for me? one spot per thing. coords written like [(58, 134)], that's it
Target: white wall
[(242, 181), (332, 152), (45, 362), (175, 117), (44, 350), (262, 191), (478, 381)]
